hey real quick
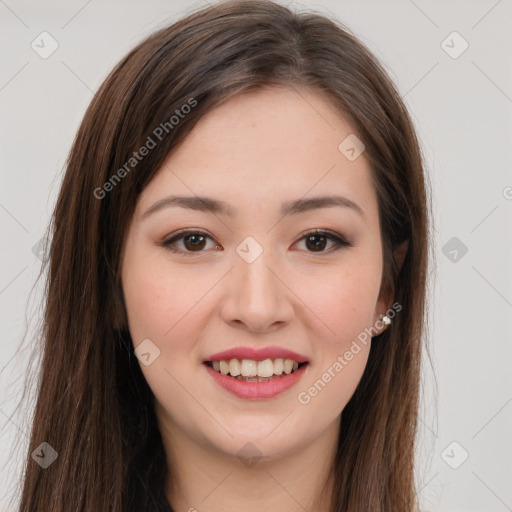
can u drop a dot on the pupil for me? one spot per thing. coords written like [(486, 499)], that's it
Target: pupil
[(199, 239), (316, 246)]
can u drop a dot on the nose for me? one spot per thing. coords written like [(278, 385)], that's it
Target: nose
[(257, 296)]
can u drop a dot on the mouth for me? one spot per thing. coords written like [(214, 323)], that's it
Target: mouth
[(256, 374), (250, 370)]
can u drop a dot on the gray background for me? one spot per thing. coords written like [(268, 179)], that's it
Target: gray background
[(462, 109)]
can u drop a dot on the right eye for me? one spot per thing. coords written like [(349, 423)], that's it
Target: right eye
[(191, 242)]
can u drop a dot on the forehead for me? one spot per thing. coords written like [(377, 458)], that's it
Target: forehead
[(269, 145)]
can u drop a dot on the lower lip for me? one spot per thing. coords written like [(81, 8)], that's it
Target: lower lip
[(257, 390)]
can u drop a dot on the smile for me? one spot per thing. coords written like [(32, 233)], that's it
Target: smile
[(249, 370), (256, 374)]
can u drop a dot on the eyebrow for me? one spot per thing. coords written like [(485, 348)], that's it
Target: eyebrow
[(214, 206)]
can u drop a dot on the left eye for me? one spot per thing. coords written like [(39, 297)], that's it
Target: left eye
[(317, 240), (196, 241)]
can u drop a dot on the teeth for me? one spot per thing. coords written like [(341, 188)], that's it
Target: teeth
[(265, 368), (235, 367), (255, 371), (288, 366), (224, 367), (249, 368), (257, 379)]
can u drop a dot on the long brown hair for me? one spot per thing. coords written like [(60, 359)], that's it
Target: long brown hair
[(94, 406)]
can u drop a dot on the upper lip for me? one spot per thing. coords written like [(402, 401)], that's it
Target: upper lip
[(257, 354)]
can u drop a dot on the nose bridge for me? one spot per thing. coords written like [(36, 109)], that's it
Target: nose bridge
[(257, 297), (255, 280)]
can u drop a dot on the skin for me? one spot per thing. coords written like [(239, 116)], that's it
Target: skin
[(254, 152)]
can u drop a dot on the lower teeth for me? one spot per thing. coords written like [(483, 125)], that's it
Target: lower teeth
[(256, 379)]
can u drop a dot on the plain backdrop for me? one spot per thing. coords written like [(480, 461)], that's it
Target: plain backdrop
[(451, 61)]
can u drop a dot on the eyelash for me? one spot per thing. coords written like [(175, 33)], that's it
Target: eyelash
[(337, 239)]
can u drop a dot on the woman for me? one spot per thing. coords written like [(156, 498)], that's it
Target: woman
[(236, 284)]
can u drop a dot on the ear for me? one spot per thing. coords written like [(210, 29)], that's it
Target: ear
[(385, 302)]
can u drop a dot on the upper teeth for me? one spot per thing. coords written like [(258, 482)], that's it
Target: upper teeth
[(251, 368)]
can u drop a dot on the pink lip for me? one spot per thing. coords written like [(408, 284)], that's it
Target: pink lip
[(257, 390), (257, 354)]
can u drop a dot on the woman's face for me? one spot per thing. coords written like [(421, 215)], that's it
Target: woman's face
[(252, 280)]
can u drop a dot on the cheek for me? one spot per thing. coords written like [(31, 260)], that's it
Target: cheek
[(340, 359), (160, 306), (150, 302), (344, 300), (166, 308)]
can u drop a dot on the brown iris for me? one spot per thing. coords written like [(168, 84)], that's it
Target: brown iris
[(319, 246)]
